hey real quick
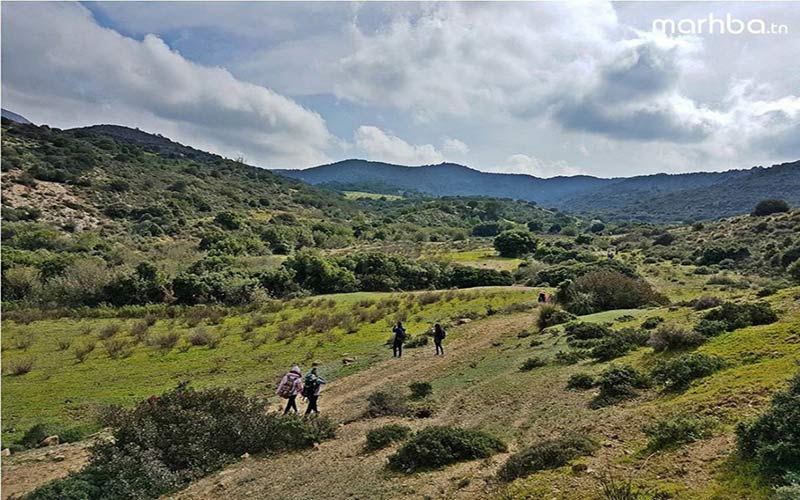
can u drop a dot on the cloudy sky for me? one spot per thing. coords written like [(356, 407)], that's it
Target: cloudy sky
[(540, 88)]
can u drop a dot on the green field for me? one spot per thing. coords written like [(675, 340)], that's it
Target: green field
[(256, 347), (361, 195)]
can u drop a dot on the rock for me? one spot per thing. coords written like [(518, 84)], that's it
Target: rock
[(244, 456), (6, 452), (580, 468), (58, 458), (49, 441), (464, 321), (347, 361)]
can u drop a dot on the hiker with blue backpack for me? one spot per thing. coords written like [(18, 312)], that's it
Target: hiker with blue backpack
[(312, 385), (399, 338), (290, 387)]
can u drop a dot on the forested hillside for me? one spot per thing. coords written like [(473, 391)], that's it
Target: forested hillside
[(652, 198)]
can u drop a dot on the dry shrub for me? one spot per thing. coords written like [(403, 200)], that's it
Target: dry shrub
[(109, 330), (20, 366), (166, 340), (139, 330), (117, 347), (83, 349), (63, 344), (201, 336), (24, 342)]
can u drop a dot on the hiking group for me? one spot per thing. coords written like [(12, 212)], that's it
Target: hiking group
[(293, 384)]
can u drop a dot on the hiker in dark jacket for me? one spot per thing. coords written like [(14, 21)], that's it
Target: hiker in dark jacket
[(438, 335), (399, 338), (312, 385)]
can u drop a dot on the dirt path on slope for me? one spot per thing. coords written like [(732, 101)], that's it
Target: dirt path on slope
[(339, 469), (28, 470)]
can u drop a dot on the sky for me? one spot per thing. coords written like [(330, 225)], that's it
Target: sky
[(541, 88)]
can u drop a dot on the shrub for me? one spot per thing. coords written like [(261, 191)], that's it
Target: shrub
[(769, 207), (586, 331), (743, 315), (671, 337), (164, 443), (794, 270), (200, 336), (416, 341), (117, 348), (652, 322), (710, 327), (514, 243), (382, 437), (571, 357), (437, 446), (619, 383), (139, 330), (420, 390), (82, 350), (20, 366), (706, 302), (609, 290), (109, 330), (678, 373), (676, 430), (386, 404), (772, 441), (548, 454), (581, 381), (531, 363), (618, 344), (166, 340), (38, 432), (550, 315), (63, 344)]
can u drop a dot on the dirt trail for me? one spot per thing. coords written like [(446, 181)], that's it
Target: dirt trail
[(26, 471), (339, 468)]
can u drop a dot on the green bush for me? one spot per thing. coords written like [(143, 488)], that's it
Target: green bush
[(710, 328), (618, 344), (619, 383), (706, 302), (416, 341), (581, 381), (678, 373), (672, 338), (437, 446), (420, 390), (35, 434), (676, 430), (769, 207), (609, 289), (514, 243), (794, 270), (586, 331), (652, 322), (164, 443), (550, 315), (738, 316), (772, 441), (386, 404), (531, 363), (548, 454), (382, 437)]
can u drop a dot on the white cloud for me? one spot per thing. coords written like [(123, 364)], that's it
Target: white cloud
[(454, 146), (377, 145), (55, 53), (524, 164)]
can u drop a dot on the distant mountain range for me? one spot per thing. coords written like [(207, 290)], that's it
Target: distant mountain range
[(10, 115), (657, 198)]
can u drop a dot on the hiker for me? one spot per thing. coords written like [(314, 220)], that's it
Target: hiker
[(291, 385), (399, 338), (312, 384), (438, 335), (542, 297)]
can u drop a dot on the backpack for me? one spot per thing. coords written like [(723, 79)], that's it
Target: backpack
[(286, 387), (310, 385)]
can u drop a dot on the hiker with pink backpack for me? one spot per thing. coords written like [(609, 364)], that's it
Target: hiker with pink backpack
[(290, 387)]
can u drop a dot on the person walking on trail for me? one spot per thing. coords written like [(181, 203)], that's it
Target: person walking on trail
[(438, 335), (291, 385), (399, 338), (312, 384)]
